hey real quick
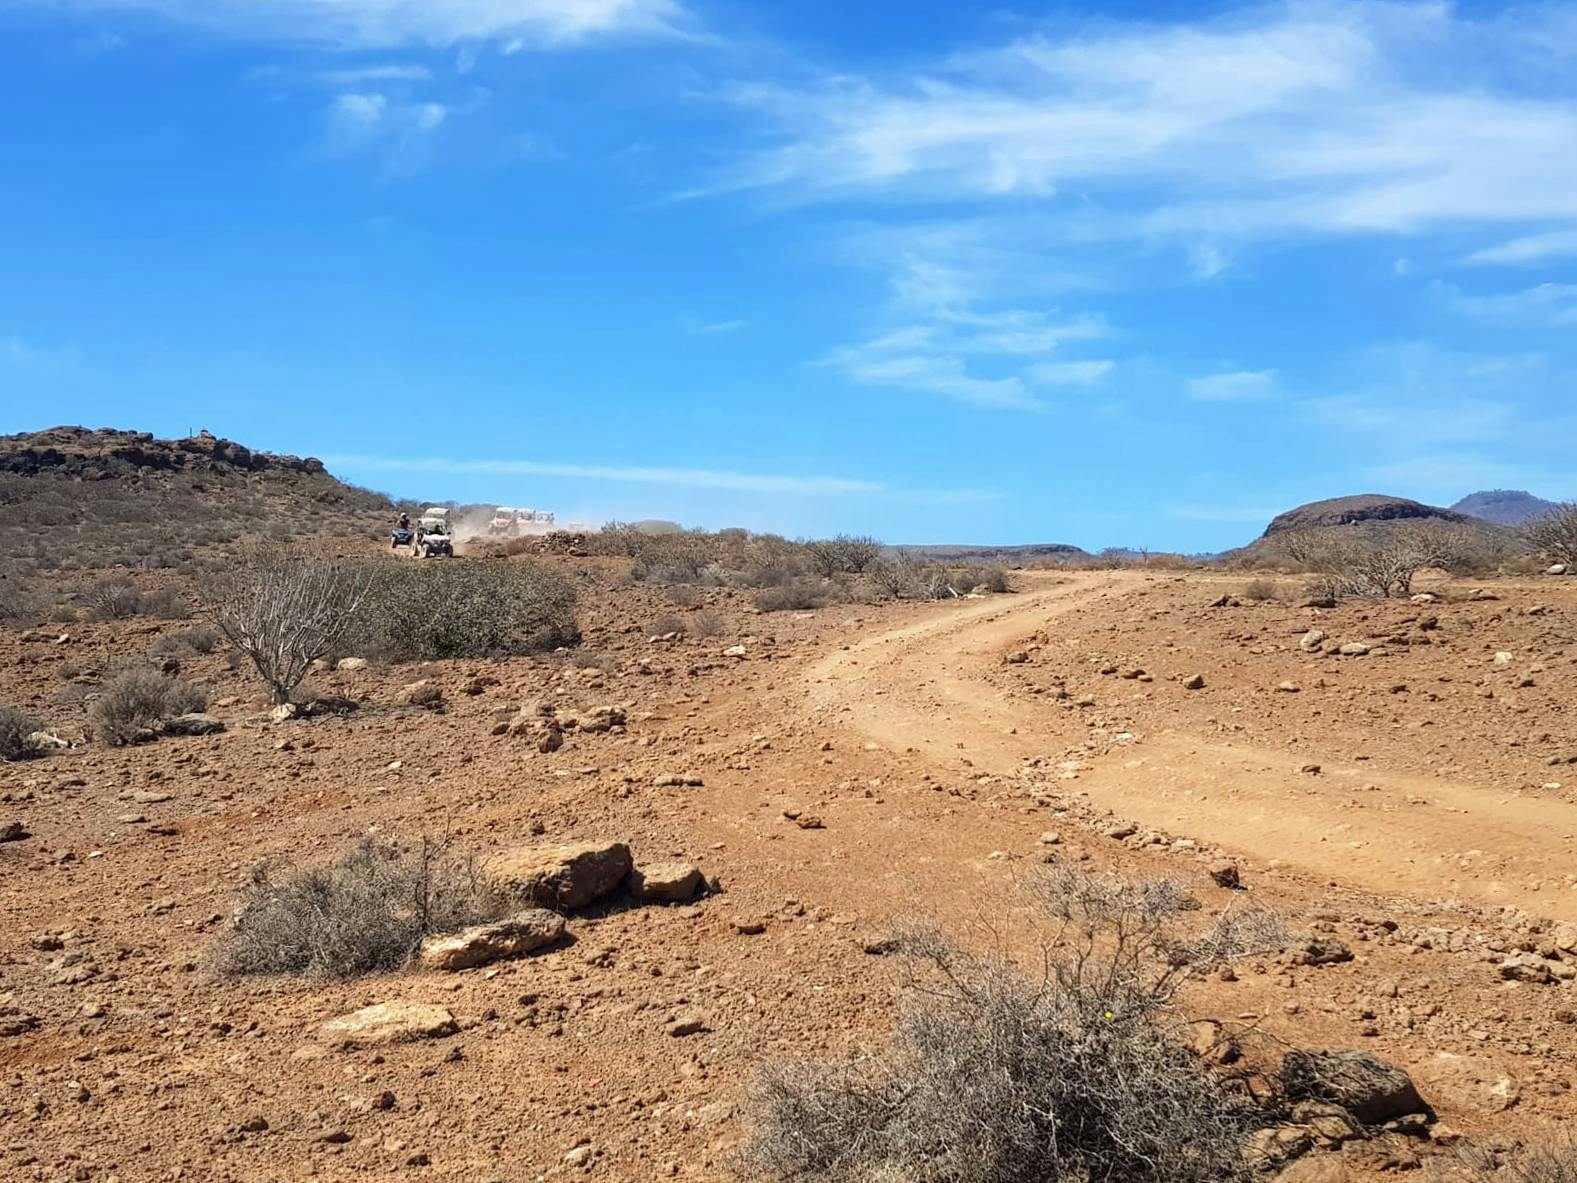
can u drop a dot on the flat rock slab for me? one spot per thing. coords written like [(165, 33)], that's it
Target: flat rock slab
[(389, 1022), (1372, 1090), (568, 876), (1471, 1084), (665, 882), (514, 937)]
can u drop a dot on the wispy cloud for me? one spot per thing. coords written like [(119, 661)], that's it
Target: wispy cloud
[(1070, 373), (1545, 305), (709, 328), (363, 24), (1234, 386), (691, 478), (1529, 249), (1303, 118)]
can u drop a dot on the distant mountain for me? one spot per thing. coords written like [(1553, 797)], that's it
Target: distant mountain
[(1366, 507), (1504, 507)]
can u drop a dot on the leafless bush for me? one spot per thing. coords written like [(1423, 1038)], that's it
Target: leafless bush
[(284, 613), (137, 699), (428, 611), (365, 913), (664, 625), (1555, 534), (15, 727), (1384, 559), (998, 1076), (843, 555)]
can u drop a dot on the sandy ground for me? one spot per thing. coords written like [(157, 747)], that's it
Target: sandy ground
[(1416, 802)]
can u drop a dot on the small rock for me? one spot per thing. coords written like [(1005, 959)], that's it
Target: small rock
[(1225, 873), (196, 723), (665, 882), (484, 943), (1196, 682), (1475, 1084), (350, 665), (420, 694), (389, 1022), (13, 832), (689, 1023)]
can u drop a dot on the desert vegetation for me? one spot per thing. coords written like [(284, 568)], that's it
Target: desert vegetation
[(366, 912), (1383, 560), (1077, 1068), (1555, 534), (138, 699)]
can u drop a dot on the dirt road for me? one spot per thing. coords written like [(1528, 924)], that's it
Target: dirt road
[(1364, 826)]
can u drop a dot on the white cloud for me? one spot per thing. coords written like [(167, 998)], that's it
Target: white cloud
[(1547, 304), (1531, 248), (693, 478), (363, 24), (1070, 373), (1320, 117), (883, 362), (365, 75), (353, 114), (1234, 386)]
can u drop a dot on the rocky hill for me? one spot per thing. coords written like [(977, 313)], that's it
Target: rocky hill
[(1504, 507), (75, 497), (1366, 507)]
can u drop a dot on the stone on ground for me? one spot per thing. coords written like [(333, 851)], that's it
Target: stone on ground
[(1372, 1090), (665, 882), (516, 936), (568, 876), (193, 724), (389, 1022), (1472, 1084)]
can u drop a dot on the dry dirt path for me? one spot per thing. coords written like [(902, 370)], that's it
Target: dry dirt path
[(1364, 827)]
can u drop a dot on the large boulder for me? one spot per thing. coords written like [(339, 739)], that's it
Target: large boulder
[(665, 882), (389, 1022), (516, 936), (563, 877), (1372, 1090), (1471, 1084)]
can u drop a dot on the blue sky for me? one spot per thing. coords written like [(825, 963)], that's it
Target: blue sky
[(929, 270)]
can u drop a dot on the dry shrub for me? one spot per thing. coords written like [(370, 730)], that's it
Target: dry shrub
[(114, 599), (138, 698), (683, 595), (706, 624), (18, 601), (664, 625), (365, 913), (15, 727), (188, 642), (797, 595), (1261, 590), (468, 608), (1548, 1162), (1076, 1071)]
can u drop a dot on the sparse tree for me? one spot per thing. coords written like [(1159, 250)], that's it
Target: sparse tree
[(1555, 533), (284, 613), (857, 552)]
